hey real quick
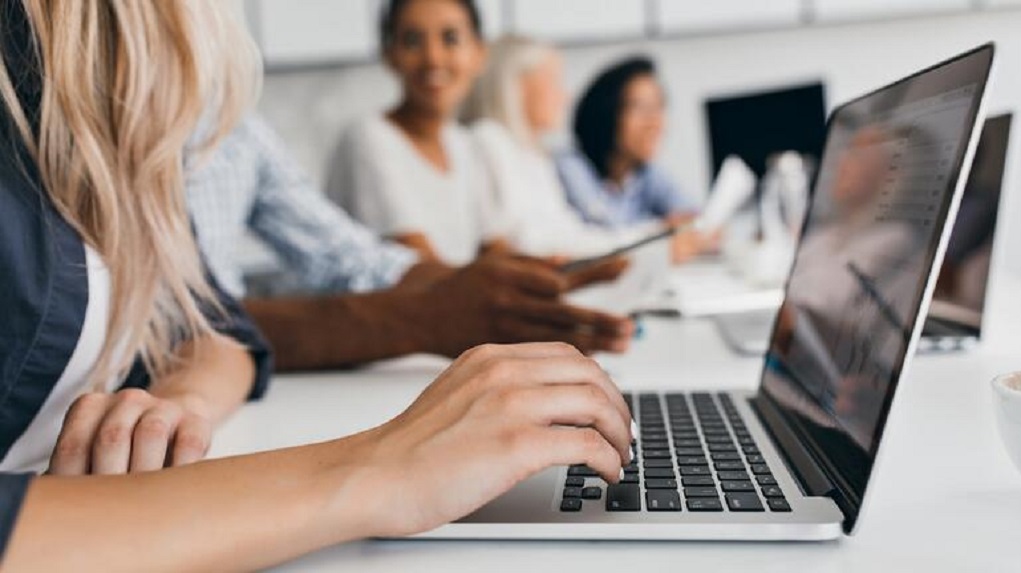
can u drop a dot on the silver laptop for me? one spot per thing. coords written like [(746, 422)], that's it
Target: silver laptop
[(793, 460), (958, 308)]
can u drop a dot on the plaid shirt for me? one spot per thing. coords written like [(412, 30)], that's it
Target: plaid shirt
[(250, 182)]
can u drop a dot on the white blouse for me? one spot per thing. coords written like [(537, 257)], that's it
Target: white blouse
[(532, 204), (31, 452), (382, 180)]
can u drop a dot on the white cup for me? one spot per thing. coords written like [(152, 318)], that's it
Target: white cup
[(1007, 403)]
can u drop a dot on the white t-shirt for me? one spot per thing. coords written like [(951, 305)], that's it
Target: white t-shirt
[(532, 204), (380, 178), (31, 453)]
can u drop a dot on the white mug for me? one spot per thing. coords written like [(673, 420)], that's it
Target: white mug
[(1007, 403)]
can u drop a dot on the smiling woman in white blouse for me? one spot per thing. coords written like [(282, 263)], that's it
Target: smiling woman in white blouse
[(412, 174)]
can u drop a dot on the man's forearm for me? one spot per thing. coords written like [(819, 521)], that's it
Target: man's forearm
[(339, 331)]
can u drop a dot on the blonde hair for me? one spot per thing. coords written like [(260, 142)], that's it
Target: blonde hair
[(125, 84), (497, 93)]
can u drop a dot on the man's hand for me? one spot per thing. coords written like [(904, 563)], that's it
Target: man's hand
[(503, 299), (130, 431)]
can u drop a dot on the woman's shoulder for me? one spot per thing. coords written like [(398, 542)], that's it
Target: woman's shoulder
[(367, 133), (574, 166), (489, 128), (491, 136)]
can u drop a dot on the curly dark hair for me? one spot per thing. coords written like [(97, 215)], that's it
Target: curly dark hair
[(392, 9), (598, 112)]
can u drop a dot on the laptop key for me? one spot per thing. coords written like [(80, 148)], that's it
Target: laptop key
[(729, 466), (726, 456), (695, 471), (656, 454), (573, 504), (744, 502), (660, 473), (772, 491), (760, 469), (659, 483), (701, 492), (623, 497), (766, 480), (690, 451), (705, 504), (658, 463), (779, 504), (689, 481), (592, 493), (574, 481), (733, 476), (691, 461), (655, 445), (582, 471), (688, 444), (630, 478), (756, 459), (662, 500), (737, 486), (572, 492), (722, 448)]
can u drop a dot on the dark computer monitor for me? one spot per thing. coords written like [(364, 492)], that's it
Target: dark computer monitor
[(958, 304), (756, 125)]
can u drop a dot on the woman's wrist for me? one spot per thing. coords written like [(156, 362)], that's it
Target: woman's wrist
[(354, 486)]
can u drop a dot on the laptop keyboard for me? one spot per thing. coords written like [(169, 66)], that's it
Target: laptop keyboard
[(693, 453)]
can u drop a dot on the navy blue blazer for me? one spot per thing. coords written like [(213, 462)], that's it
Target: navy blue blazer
[(44, 285)]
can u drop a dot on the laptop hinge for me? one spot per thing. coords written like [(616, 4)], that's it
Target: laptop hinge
[(812, 479)]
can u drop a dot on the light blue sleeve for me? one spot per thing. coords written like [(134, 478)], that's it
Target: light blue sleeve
[(582, 186), (664, 197), (322, 245)]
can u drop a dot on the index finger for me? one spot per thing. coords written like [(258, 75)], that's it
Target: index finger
[(560, 314), (534, 277), (602, 271)]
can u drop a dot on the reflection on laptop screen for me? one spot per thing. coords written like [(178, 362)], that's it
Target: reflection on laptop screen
[(886, 184), (960, 297)]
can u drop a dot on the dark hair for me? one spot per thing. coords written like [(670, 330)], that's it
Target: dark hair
[(598, 112), (392, 9)]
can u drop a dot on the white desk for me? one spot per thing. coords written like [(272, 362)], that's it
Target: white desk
[(947, 498)]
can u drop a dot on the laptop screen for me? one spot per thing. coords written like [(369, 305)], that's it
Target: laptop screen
[(886, 183), (959, 301)]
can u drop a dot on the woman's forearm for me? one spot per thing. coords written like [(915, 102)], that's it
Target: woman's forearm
[(216, 378), (233, 514)]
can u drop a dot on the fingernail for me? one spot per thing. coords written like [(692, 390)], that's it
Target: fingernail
[(634, 429), (621, 474)]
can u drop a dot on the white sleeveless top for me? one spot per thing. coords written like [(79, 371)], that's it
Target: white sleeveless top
[(31, 452)]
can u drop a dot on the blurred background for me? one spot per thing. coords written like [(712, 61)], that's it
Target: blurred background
[(721, 61)]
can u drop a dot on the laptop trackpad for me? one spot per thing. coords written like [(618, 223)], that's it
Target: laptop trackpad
[(531, 501)]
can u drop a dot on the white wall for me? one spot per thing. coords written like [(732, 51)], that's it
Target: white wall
[(310, 107)]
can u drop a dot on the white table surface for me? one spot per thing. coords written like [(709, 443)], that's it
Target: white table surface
[(946, 498)]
